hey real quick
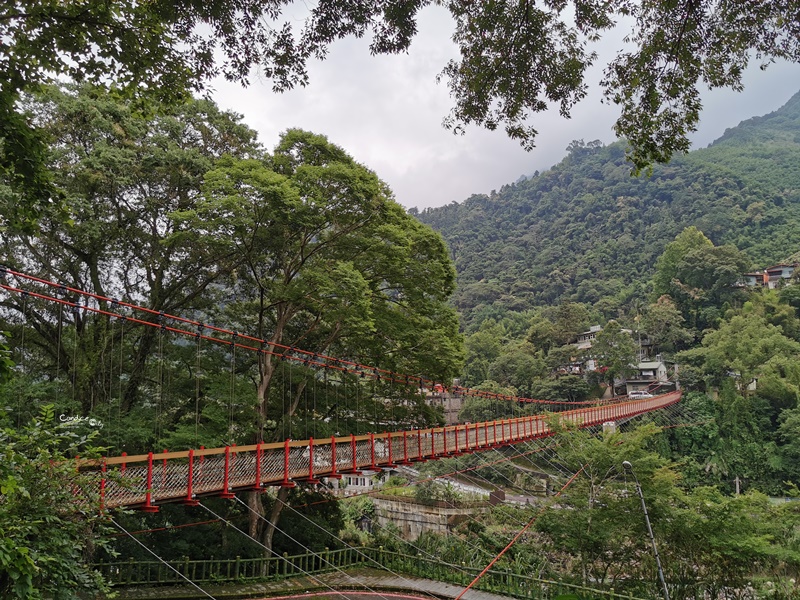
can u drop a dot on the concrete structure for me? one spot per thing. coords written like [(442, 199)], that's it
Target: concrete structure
[(414, 518), (450, 403), (584, 341)]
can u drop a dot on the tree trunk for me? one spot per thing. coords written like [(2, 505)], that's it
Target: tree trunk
[(271, 523)]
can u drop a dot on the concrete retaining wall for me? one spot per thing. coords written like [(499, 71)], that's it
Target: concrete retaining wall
[(413, 518)]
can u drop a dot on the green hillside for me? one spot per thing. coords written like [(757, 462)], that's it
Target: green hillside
[(587, 231)]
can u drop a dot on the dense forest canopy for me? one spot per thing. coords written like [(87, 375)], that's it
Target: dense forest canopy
[(586, 231)]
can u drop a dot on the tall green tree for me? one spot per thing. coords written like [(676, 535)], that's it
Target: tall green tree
[(47, 537), (124, 171), (740, 348), (603, 530), (482, 347), (517, 367), (667, 265), (663, 324), (326, 262), (160, 50), (699, 277), (614, 350), (516, 59), (571, 319)]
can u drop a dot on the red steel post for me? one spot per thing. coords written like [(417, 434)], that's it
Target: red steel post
[(286, 481), (190, 500), (257, 481), (226, 493), (148, 496), (354, 452), (311, 478)]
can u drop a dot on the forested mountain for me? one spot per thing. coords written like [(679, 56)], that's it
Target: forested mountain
[(588, 231)]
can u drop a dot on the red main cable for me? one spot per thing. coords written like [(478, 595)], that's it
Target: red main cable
[(307, 357), (516, 537)]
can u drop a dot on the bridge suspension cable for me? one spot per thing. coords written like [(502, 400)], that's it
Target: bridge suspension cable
[(363, 555), (515, 538), (236, 340), (161, 560)]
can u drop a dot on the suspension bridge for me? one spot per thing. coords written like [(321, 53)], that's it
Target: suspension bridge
[(146, 480), (149, 480)]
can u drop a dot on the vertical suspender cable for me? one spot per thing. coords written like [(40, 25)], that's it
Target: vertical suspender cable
[(118, 427), (60, 330), (110, 395), (338, 401), (22, 356), (75, 311), (232, 388), (305, 403), (290, 398), (161, 377), (283, 397), (358, 406), (197, 389), (374, 409), (314, 406)]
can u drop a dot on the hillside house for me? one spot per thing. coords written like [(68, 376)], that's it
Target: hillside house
[(584, 341), (352, 484), (779, 275), (655, 376), (771, 278)]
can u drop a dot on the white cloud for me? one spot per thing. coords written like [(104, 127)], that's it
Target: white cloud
[(386, 111)]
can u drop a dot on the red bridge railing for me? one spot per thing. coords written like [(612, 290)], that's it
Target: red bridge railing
[(146, 480)]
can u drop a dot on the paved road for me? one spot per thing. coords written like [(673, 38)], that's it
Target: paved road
[(360, 579)]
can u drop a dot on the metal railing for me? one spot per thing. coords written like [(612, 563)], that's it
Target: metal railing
[(146, 480), (240, 570)]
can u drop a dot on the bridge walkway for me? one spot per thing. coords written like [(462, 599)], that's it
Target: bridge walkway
[(353, 579)]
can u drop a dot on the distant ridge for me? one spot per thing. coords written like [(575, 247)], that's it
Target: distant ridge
[(585, 230)]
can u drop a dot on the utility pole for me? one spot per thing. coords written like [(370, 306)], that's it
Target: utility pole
[(629, 469)]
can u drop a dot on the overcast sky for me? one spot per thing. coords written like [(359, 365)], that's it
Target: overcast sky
[(386, 111)]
